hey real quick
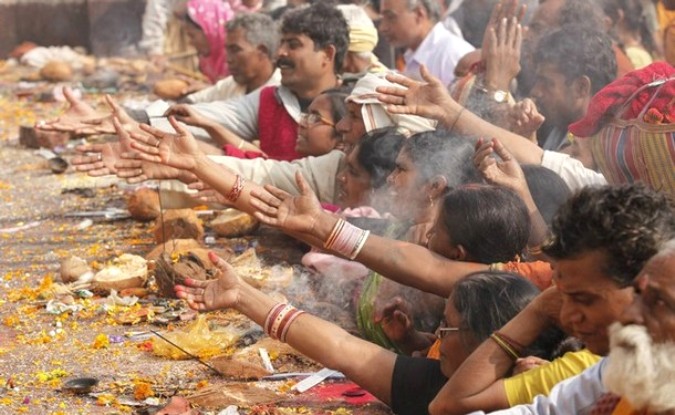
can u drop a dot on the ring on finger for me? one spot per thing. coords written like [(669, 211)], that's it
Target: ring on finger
[(157, 144)]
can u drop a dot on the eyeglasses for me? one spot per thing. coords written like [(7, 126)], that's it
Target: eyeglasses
[(313, 119), (442, 331)]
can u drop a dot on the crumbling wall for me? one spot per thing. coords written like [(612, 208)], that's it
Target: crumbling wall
[(103, 27)]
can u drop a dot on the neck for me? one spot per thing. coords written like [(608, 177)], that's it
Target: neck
[(262, 77), (423, 33), (311, 91)]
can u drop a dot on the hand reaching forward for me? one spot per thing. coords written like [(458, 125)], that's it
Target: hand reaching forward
[(290, 213), (188, 115), (222, 292), (525, 120), (178, 150), (101, 159), (427, 99), (505, 172)]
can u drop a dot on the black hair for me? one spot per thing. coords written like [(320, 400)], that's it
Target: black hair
[(578, 50), (324, 24), (442, 153), (338, 108), (376, 153), (491, 223), (487, 300), (628, 223), (547, 188)]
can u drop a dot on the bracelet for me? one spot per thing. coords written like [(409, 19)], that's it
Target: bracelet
[(271, 316), (336, 229), (346, 239), (506, 348), (235, 192), (515, 345), (294, 315), (459, 114)]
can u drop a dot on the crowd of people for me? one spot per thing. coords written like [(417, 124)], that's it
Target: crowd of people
[(517, 160)]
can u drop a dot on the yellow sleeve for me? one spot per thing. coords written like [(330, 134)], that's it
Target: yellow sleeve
[(522, 388)]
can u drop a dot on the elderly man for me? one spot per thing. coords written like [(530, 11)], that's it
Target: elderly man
[(414, 25), (251, 46), (642, 344), (363, 38), (602, 238)]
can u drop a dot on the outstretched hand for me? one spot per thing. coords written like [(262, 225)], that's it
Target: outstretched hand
[(290, 213), (395, 320), (525, 119), (215, 294), (505, 172), (187, 114), (427, 99), (179, 150)]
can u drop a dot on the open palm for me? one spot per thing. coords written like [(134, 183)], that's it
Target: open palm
[(216, 294)]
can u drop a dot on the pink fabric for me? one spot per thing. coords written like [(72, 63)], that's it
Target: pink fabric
[(211, 16), (233, 151)]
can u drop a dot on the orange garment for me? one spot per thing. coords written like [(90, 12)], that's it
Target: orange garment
[(435, 351), (624, 408), (539, 273)]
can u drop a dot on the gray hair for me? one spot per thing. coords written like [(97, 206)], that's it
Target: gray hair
[(259, 30), (431, 6)]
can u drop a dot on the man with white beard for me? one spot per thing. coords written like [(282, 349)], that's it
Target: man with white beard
[(641, 364)]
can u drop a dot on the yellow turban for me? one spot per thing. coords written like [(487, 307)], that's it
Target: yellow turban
[(362, 39)]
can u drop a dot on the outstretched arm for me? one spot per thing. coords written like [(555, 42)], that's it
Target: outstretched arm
[(403, 262), (430, 99), (318, 339)]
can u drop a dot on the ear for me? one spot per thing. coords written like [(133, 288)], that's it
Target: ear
[(330, 52), (582, 87), (420, 12), (459, 253), (437, 186)]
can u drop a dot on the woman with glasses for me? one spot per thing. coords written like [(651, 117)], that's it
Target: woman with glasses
[(316, 129), (480, 304)]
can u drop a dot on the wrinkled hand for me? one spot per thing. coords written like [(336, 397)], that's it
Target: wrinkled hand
[(527, 363), (216, 294), (427, 99), (187, 114), (505, 172), (395, 321), (178, 150), (502, 53), (525, 120), (290, 213)]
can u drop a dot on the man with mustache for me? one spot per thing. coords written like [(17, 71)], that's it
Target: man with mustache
[(640, 368), (601, 239), (312, 48)]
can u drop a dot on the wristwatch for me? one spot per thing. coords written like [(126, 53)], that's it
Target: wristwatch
[(499, 96)]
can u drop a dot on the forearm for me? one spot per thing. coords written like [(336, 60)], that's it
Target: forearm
[(223, 136), (538, 228), (404, 262), (462, 121), (476, 385), (327, 344)]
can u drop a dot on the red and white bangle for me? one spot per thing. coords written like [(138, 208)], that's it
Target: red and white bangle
[(235, 192), (279, 320), (346, 239)]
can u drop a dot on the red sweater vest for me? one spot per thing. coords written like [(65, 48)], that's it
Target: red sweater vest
[(277, 130)]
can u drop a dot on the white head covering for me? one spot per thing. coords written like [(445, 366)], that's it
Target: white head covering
[(376, 116)]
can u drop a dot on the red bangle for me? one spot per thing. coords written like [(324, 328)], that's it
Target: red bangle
[(235, 192)]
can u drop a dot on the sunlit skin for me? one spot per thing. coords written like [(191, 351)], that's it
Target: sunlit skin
[(353, 182), (317, 138), (456, 346), (654, 307), (591, 300), (351, 126)]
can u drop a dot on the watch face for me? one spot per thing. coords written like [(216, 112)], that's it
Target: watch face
[(500, 96)]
